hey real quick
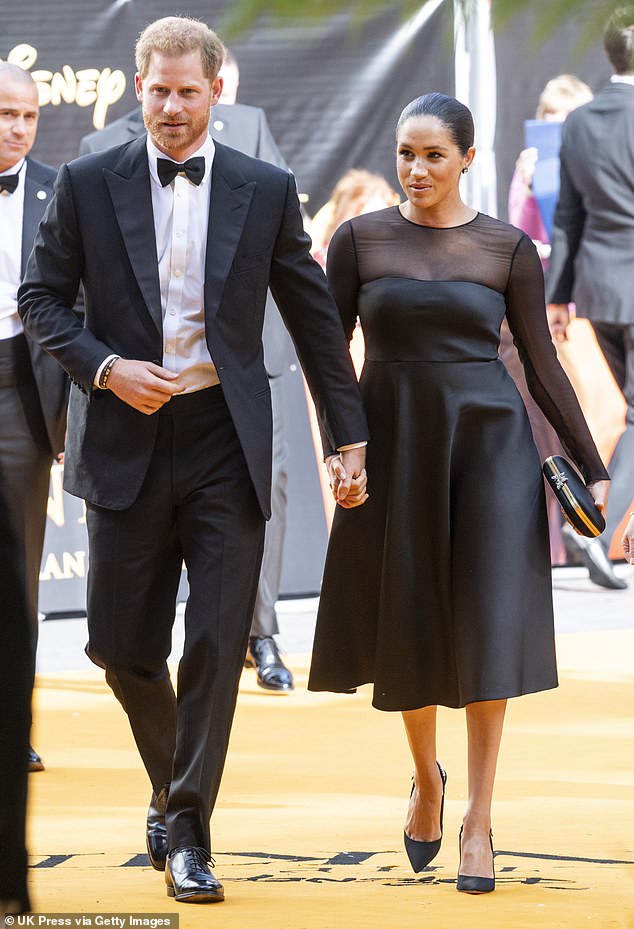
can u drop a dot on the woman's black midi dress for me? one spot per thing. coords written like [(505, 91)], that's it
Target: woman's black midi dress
[(438, 588)]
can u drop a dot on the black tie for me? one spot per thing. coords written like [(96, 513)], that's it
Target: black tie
[(194, 168), (9, 182)]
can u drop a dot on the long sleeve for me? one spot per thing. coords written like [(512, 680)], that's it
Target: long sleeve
[(49, 290), (547, 381), (301, 293), (343, 276)]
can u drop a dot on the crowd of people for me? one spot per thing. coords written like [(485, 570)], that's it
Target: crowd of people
[(175, 434)]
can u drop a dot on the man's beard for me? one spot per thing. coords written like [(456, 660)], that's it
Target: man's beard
[(175, 141)]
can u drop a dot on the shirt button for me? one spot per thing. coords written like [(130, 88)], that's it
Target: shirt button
[(172, 312), (177, 273)]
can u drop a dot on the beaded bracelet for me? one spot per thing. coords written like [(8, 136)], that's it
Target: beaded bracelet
[(105, 374)]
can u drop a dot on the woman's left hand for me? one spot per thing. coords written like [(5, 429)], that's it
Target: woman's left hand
[(600, 491)]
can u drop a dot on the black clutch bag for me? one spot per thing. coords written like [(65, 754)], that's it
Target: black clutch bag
[(573, 496)]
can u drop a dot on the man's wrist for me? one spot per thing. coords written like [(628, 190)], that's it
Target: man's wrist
[(348, 448), (102, 374)]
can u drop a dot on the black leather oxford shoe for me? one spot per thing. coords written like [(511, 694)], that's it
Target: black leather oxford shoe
[(156, 830), (264, 656), (189, 879), (35, 761)]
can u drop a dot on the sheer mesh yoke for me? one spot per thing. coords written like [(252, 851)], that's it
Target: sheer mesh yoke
[(448, 596), (384, 247)]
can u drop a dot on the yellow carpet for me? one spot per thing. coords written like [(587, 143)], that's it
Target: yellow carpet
[(308, 830)]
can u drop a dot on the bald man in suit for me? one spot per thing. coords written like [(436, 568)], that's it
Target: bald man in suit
[(33, 387)]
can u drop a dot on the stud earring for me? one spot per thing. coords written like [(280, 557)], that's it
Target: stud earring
[(465, 169)]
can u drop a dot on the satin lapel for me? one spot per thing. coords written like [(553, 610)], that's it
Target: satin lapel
[(229, 203), (37, 196), (129, 186)]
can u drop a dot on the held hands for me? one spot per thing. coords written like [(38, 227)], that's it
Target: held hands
[(348, 478), (142, 385), (628, 540)]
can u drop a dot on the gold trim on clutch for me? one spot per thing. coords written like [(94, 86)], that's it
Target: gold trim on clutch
[(580, 513), (561, 481)]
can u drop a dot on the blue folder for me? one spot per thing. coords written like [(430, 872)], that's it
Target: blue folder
[(546, 138)]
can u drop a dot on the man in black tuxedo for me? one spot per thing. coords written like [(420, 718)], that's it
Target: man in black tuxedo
[(16, 681), (246, 128), (593, 251), (169, 438), (33, 387)]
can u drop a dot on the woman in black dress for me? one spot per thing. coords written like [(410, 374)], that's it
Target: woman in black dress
[(448, 600)]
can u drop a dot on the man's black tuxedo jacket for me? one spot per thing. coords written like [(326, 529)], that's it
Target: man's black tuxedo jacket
[(246, 129), (593, 234), (51, 380), (99, 229)]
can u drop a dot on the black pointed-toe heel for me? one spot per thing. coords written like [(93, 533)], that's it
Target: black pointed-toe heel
[(469, 883), (421, 853)]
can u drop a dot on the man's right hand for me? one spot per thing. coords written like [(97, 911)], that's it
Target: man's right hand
[(142, 384)]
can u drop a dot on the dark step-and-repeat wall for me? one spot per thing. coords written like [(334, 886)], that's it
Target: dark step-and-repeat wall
[(332, 90)]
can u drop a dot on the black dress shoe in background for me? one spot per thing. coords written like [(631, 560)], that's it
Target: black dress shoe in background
[(594, 557), (35, 762), (189, 879), (156, 830), (263, 655)]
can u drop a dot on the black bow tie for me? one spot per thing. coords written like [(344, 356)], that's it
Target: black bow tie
[(9, 182), (194, 168)]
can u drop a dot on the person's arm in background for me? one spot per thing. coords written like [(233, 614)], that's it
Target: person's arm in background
[(628, 540)]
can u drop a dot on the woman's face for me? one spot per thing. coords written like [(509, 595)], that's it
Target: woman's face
[(428, 162)]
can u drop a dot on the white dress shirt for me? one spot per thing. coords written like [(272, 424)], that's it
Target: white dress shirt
[(181, 218), (11, 212)]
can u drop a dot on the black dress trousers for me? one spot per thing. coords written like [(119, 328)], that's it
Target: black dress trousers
[(197, 505)]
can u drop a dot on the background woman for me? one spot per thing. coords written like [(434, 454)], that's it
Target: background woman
[(448, 597)]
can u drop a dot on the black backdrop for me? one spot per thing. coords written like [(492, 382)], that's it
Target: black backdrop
[(332, 91)]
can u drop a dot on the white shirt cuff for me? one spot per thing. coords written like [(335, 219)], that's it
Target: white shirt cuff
[(347, 448), (95, 380)]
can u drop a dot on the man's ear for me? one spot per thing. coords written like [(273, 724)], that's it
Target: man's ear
[(216, 90)]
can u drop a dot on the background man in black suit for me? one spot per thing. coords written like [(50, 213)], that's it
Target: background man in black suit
[(16, 681), (169, 438), (246, 128), (33, 387), (592, 259)]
